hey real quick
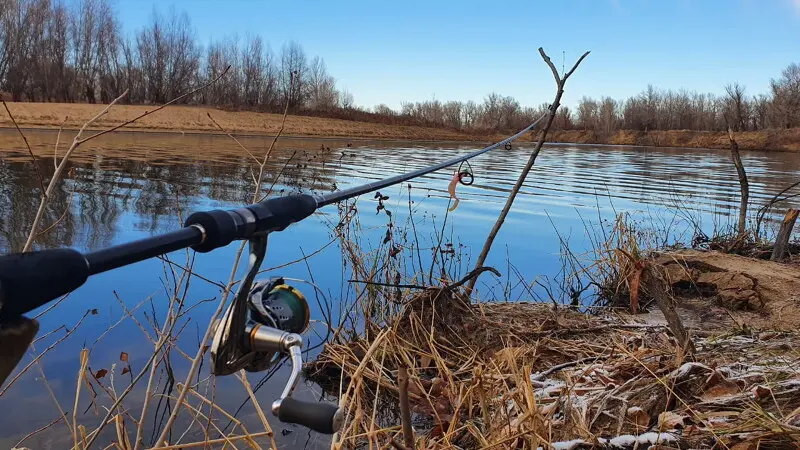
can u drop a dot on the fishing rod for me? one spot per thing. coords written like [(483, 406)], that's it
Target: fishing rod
[(262, 324)]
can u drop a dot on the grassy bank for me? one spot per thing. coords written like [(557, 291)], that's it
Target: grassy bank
[(194, 119)]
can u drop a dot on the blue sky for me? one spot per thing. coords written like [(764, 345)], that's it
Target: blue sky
[(391, 51)]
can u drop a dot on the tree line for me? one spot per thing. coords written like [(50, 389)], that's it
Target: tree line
[(652, 109), (56, 52)]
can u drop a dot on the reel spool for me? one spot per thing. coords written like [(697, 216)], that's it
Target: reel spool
[(258, 327)]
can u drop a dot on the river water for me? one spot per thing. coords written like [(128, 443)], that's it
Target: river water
[(127, 186)]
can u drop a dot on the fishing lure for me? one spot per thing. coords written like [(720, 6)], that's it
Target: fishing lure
[(451, 189), (458, 178)]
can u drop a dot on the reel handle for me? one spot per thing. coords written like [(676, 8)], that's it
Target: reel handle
[(323, 418)]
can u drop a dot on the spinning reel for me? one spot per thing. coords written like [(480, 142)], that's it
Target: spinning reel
[(261, 326)]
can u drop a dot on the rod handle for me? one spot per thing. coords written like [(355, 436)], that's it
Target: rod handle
[(323, 418), (29, 280)]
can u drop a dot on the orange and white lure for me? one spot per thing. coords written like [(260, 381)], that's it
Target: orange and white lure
[(451, 189)]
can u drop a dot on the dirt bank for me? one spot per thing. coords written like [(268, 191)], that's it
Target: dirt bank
[(194, 119), (786, 140), (720, 291), (191, 119)]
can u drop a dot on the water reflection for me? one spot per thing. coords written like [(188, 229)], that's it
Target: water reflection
[(129, 185)]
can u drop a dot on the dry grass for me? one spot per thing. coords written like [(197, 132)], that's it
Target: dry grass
[(520, 375), (527, 376), (777, 139), (194, 119), (187, 119)]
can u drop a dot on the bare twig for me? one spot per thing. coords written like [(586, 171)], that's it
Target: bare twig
[(304, 258), (44, 352), (471, 276), (53, 395), (58, 140), (405, 409), (272, 146), (558, 367), (228, 133), (259, 411), (394, 285), (211, 442), (147, 113), (30, 152), (772, 202), (52, 305), (78, 141), (37, 431), (162, 439), (560, 82), (63, 215)]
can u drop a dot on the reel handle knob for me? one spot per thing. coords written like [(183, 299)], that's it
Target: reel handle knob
[(323, 418)]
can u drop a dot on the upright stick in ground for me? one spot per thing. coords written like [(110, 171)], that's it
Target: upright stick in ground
[(785, 233), (744, 186), (560, 82)]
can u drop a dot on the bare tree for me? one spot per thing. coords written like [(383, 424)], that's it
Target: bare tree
[(452, 115), (383, 110), (294, 66), (23, 29), (58, 75), (322, 95), (88, 26), (471, 112), (253, 71), (168, 55), (736, 107), (346, 99), (587, 113), (786, 97)]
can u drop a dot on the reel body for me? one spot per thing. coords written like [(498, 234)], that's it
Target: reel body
[(261, 326)]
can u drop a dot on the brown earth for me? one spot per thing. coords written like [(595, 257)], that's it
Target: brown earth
[(194, 119), (717, 290), (777, 139)]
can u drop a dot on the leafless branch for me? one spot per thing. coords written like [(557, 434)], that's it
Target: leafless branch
[(44, 352), (162, 439), (147, 113), (37, 431), (531, 160), (30, 152), (228, 133)]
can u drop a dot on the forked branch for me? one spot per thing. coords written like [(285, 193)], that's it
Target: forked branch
[(560, 81)]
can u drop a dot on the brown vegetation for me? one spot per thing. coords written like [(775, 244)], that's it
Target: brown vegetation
[(530, 375), (190, 119), (771, 139), (185, 119)]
